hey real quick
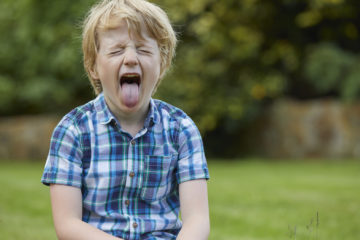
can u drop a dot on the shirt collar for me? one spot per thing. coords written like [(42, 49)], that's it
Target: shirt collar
[(153, 115), (103, 112), (105, 116)]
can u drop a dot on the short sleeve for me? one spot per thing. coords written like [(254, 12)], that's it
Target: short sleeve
[(63, 164), (191, 163)]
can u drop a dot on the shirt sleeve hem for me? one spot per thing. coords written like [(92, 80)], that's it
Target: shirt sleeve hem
[(47, 182), (185, 176)]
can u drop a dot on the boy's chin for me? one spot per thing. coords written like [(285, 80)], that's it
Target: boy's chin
[(130, 109)]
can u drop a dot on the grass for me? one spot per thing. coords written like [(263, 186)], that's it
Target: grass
[(263, 200), (255, 200), (24, 203)]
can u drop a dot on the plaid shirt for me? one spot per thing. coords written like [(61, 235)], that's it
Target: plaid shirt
[(129, 184)]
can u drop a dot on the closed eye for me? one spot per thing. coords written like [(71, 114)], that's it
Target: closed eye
[(145, 51), (116, 52)]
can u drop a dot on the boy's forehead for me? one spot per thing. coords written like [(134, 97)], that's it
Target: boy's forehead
[(123, 29), (121, 35)]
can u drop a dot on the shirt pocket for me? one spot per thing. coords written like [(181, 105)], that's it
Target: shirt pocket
[(156, 177)]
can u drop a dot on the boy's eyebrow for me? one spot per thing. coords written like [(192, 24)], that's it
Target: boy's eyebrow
[(116, 45), (139, 43), (144, 44)]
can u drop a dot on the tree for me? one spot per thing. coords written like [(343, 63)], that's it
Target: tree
[(233, 56), (40, 56), (236, 56)]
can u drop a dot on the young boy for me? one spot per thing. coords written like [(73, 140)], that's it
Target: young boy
[(123, 166)]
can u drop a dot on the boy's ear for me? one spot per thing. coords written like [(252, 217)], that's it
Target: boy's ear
[(162, 74), (93, 73)]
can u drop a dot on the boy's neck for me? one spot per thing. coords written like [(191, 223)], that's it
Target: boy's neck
[(131, 122), (134, 122)]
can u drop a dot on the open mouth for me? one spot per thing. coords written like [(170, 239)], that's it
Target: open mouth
[(130, 89), (131, 78)]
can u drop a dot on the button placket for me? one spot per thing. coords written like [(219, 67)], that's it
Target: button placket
[(132, 173), (130, 163), (135, 225)]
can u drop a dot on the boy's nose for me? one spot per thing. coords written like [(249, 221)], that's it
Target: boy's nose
[(130, 57)]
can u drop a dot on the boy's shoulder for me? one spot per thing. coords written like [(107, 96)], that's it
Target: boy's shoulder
[(80, 115), (173, 117), (96, 112), (166, 110)]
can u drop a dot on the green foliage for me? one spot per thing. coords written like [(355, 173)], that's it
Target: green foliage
[(40, 55), (233, 56), (217, 73), (329, 68)]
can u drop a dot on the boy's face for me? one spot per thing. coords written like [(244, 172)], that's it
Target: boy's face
[(128, 68)]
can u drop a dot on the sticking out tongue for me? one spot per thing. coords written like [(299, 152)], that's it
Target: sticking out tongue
[(130, 94)]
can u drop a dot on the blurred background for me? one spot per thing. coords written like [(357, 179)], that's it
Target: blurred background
[(259, 78), (263, 80)]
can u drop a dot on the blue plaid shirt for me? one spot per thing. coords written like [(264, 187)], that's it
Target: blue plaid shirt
[(129, 184)]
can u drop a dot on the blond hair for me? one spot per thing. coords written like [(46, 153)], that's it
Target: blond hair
[(108, 14)]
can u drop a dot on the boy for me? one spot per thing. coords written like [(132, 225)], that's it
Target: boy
[(123, 165)]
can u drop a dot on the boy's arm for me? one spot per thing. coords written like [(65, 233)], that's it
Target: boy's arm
[(194, 210), (66, 204)]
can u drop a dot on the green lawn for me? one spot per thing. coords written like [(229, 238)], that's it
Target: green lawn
[(249, 200)]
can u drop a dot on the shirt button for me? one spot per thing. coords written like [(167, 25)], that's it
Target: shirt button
[(127, 202), (135, 225), (132, 142), (132, 174)]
